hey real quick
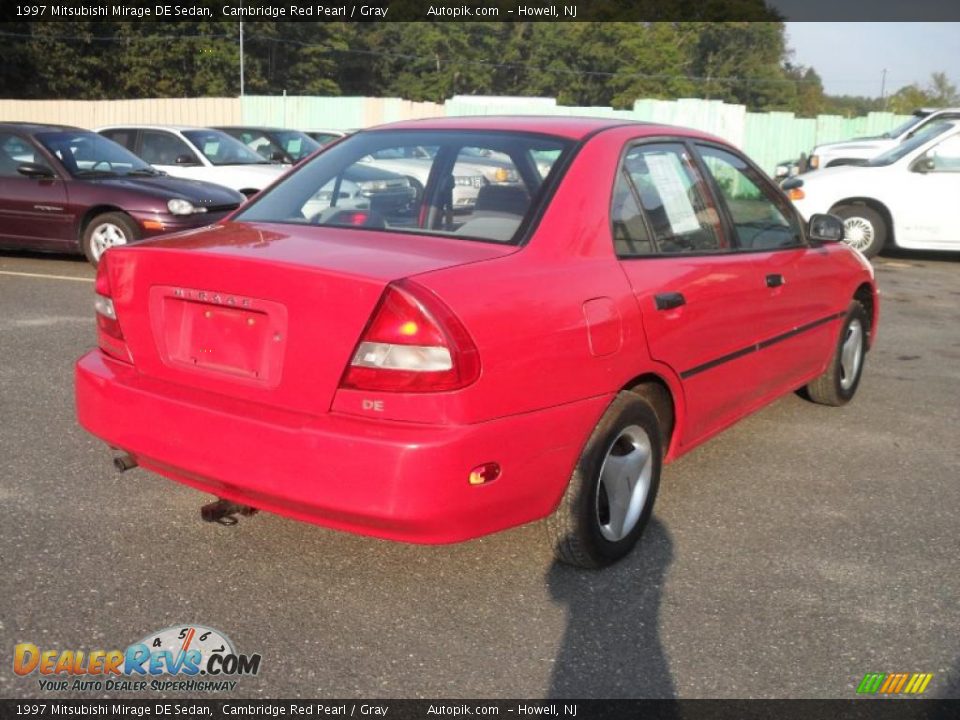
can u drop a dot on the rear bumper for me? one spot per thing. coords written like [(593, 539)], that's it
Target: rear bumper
[(401, 481)]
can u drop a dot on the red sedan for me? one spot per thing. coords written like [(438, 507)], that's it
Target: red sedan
[(424, 375)]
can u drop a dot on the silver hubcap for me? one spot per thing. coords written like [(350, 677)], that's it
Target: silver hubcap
[(105, 236), (851, 354), (624, 483), (858, 233)]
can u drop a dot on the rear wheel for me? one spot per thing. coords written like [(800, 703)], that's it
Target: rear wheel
[(864, 228), (838, 384), (610, 496), (107, 231)]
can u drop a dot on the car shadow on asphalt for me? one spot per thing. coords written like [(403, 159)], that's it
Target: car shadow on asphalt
[(611, 647)]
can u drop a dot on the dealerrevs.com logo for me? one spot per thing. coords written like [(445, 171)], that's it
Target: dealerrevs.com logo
[(189, 658)]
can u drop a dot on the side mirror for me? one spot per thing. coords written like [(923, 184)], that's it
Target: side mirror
[(825, 228), (186, 160), (924, 165), (35, 170)]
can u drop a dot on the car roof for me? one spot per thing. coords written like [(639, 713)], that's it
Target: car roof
[(575, 128), (33, 127), (143, 126), (263, 128)]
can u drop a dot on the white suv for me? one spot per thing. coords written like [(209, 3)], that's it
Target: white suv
[(856, 151), (198, 154)]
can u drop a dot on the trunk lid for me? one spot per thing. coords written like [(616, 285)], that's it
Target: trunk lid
[(264, 312)]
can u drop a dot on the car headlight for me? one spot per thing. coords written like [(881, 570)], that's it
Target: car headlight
[(178, 206), (505, 175), (470, 180), (381, 185)]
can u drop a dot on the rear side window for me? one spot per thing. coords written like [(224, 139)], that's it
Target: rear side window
[(121, 137), (677, 215), (461, 184), (761, 221)]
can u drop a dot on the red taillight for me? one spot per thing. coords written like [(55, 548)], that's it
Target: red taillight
[(109, 335), (413, 343)]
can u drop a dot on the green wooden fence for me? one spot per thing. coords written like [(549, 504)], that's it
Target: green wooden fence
[(768, 138)]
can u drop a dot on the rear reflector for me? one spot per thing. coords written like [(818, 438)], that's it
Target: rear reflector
[(414, 343), (482, 474)]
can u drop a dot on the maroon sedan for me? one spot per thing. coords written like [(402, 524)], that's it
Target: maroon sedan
[(63, 189)]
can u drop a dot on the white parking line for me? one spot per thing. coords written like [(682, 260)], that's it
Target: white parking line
[(46, 277)]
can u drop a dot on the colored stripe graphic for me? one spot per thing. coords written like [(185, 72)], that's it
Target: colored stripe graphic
[(871, 683), (894, 683)]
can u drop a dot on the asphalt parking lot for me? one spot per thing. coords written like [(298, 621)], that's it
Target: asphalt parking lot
[(794, 553)]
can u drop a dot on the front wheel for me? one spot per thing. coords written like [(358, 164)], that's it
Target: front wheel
[(610, 496), (864, 228), (106, 231), (840, 381)]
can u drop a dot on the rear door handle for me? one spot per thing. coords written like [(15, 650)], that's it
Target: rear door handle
[(775, 280), (668, 301)]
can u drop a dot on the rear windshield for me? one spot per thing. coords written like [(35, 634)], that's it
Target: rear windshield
[(470, 185)]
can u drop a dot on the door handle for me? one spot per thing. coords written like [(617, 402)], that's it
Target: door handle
[(668, 301), (775, 280)]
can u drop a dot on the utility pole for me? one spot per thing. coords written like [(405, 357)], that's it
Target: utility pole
[(883, 88), (241, 58)]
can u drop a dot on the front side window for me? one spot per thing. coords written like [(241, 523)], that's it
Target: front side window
[(470, 185), (760, 221), (661, 180)]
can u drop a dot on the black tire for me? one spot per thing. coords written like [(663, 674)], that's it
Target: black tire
[(118, 224), (865, 229), (839, 383), (576, 530)]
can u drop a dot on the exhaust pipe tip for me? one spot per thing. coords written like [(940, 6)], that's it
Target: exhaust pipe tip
[(124, 462)]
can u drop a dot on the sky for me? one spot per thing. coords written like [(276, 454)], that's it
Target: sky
[(851, 57)]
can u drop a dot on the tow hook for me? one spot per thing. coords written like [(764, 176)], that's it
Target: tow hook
[(124, 462), (224, 512)]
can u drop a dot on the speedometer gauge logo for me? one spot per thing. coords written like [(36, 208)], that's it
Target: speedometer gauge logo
[(181, 639)]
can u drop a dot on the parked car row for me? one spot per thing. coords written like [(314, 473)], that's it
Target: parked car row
[(41, 181), (74, 194)]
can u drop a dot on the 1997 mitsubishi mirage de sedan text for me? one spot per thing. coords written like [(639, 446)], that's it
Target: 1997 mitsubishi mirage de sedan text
[(427, 376)]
